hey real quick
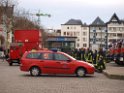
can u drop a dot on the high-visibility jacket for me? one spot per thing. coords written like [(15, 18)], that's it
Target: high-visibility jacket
[(95, 60), (89, 58), (98, 60)]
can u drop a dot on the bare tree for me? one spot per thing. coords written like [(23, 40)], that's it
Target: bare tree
[(20, 18), (8, 2)]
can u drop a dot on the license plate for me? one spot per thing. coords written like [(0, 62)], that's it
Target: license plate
[(15, 60)]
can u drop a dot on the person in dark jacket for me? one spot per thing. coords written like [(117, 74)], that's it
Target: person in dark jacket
[(95, 58), (100, 64)]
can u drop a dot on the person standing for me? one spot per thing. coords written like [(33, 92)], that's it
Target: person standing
[(100, 64), (95, 58), (3, 56)]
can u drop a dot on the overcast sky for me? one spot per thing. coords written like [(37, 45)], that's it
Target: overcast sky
[(63, 10)]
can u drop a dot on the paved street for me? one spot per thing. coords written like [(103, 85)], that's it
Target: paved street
[(12, 80)]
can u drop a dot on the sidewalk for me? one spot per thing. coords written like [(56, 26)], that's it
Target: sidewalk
[(114, 71)]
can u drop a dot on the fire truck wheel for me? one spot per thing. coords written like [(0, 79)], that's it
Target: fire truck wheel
[(35, 71), (10, 64)]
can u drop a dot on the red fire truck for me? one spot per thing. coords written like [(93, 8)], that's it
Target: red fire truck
[(24, 40), (117, 53)]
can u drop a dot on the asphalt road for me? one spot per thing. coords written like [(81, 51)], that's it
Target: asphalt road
[(12, 80)]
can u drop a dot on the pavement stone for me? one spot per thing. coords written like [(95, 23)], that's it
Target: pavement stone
[(12, 80), (114, 71)]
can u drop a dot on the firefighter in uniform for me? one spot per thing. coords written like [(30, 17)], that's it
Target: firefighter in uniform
[(95, 58), (75, 53), (101, 61), (83, 54), (89, 56)]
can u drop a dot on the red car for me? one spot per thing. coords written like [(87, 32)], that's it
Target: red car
[(51, 62)]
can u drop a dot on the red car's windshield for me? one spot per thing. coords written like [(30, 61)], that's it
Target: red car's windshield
[(70, 56)]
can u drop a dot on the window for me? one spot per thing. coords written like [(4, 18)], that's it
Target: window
[(84, 28), (34, 55), (100, 28), (110, 28), (78, 39), (78, 45), (71, 33), (91, 39), (120, 29), (84, 33), (60, 57), (84, 39), (114, 28), (84, 45), (114, 34), (47, 56), (67, 27), (119, 35), (65, 33), (75, 34)]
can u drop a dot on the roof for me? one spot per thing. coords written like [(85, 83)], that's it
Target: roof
[(98, 22), (114, 19), (73, 22)]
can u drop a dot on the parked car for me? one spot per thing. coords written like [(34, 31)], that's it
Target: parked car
[(119, 59), (54, 62)]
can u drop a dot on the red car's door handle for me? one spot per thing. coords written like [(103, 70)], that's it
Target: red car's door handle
[(41, 61)]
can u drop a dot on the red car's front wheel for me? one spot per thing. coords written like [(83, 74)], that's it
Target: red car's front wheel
[(81, 72), (35, 71)]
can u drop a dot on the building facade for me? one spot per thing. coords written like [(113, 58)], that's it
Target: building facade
[(75, 28), (115, 28), (98, 34)]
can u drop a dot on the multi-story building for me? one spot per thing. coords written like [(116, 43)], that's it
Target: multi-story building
[(75, 28), (98, 34), (115, 28)]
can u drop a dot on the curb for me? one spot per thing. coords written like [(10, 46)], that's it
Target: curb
[(113, 76)]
